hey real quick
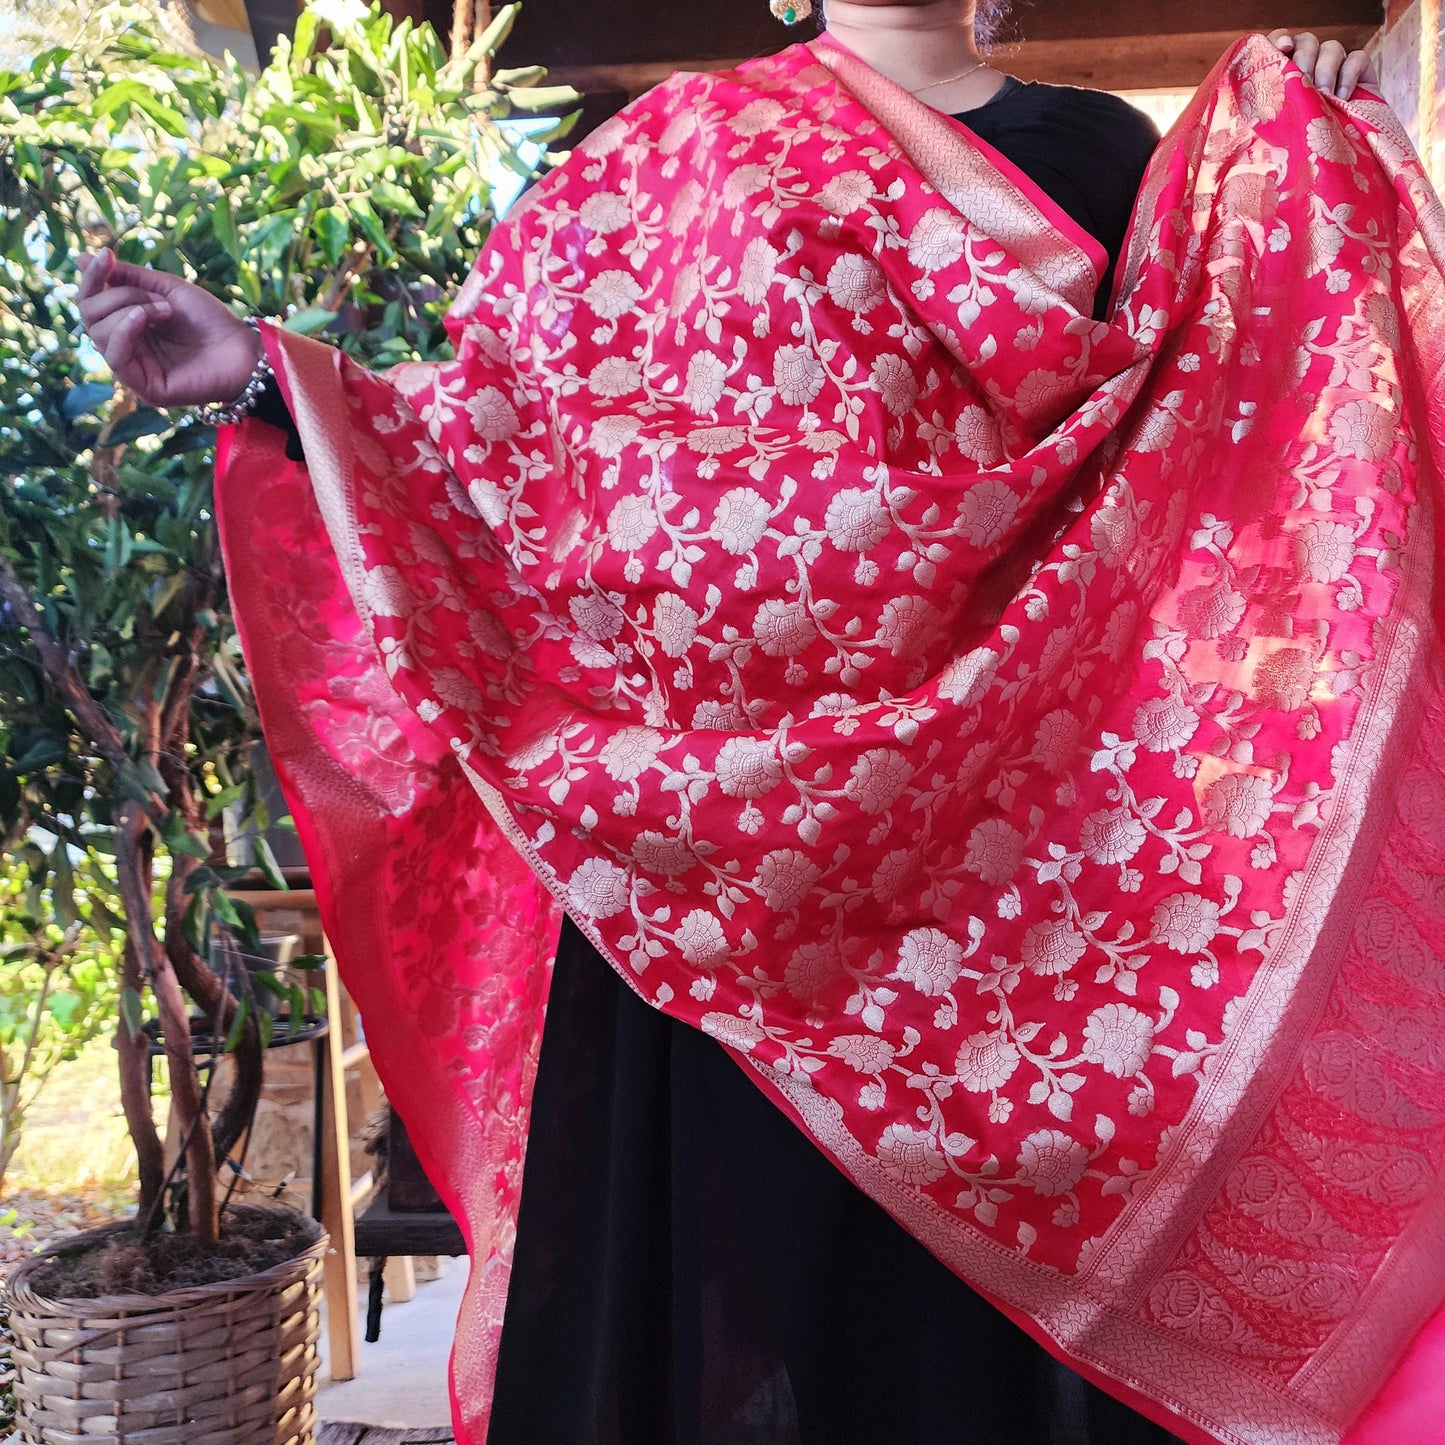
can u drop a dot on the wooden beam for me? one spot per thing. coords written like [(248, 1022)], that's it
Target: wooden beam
[(581, 33), (1142, 62), (1090, 19), (1117, 62)]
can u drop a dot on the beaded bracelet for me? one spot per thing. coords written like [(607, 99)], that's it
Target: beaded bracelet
[(216, 413)]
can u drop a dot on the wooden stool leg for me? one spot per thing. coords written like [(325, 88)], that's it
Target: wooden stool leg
[(400, 1279), (339, 1268), (368, 1086)]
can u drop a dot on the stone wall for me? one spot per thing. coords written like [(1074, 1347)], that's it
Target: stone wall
[(1408, 55), (281, 1143), (282, 1139)]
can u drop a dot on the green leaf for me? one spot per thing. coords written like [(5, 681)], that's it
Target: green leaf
[(85, 399), (309, 322), (179, 839), (239, 917), (64, 1008), (544, 97), (238, 1026), (333, 233), (526, 75), (303, 38), (193, 925), (369, 224), (126, 95), (217, 803), (193, 845), (42, 753), (494, 36), (62, 889), (132, 785), (203, 877), (224, 225), (226, 912), (250, 933), (389, 197), (131, 1011), (102, 916), (144, 421), (266, 861)]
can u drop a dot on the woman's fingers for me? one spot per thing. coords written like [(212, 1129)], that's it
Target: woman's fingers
[(119, 336), (1306, 54), (94, 309), (123, 337), (102, 335), (1358, 70), (162, 283), (94, 273), (131, 361), (102, 270), (1328, 66), (1325, 64)]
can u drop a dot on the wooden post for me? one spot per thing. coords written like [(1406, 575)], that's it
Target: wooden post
[(481, 18), (462, 13), (470, 19), (339, 1267), (296, 912), (400, 1279)]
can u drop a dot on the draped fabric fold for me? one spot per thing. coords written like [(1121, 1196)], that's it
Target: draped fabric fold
[(1019, 738)]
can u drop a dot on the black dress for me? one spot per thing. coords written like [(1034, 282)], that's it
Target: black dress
[(689, 1268)]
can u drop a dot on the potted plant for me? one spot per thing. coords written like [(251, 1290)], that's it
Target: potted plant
[(346, 189)]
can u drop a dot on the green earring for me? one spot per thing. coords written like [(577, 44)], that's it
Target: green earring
[(791, 12)]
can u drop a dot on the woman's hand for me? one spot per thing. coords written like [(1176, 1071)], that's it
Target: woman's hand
[(1327, 65), (170, 342)]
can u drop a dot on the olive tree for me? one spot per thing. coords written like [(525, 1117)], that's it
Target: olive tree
[(346, 189)]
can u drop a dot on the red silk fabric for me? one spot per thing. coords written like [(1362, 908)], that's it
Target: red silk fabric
[(1018, 738)]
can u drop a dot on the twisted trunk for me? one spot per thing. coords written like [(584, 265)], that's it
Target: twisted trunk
[(221, 1006), (196, 977), (164, 731), (175, 1025), (135, 1097)]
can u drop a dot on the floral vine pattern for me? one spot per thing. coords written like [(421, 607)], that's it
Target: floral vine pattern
[(965, 711)]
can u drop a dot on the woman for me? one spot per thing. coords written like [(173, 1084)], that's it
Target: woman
[(952, 713)]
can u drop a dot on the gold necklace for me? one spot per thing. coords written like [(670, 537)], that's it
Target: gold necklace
[(962, 75)]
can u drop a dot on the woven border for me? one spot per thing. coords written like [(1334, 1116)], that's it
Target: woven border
[(231, 1363)]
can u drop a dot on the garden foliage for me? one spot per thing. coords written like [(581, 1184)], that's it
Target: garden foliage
[(60, 932), (346, 189)]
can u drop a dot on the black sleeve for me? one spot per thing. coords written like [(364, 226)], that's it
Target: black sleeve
[(1087, 149), (271, 408)]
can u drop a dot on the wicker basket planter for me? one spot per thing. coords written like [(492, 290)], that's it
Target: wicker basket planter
[(219, 1364)]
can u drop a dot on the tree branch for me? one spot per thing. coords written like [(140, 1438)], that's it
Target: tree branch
[(175, 1027), (134, 1048)]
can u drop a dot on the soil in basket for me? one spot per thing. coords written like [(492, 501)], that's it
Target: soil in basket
[(253, 1239)]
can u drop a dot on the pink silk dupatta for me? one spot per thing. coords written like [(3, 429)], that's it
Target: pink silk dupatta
[(1020, 739)]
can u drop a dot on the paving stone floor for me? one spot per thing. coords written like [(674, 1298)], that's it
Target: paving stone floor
[(401, 1380)]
